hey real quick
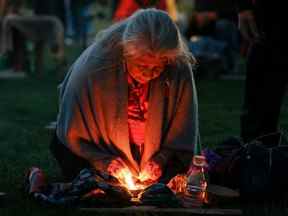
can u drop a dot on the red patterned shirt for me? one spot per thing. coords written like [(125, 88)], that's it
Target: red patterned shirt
[(137, 113)]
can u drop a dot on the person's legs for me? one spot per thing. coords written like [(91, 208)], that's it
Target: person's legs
[(264, 91), (272, 100), (19, 51), (39, 58), (253, 90), (70, 164)]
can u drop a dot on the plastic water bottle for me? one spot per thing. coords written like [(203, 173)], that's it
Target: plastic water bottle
[(196, 182)]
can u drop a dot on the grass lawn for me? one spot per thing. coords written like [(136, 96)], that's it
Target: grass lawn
[(27, 105)]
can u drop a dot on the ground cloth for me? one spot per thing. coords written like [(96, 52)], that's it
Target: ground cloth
[(94, 189)]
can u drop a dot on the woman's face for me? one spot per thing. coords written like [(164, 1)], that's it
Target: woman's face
[(145, 68)]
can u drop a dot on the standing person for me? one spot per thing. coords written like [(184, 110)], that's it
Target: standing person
[(212, 32), (130, 101), (266, 77), (3, 5), (51, 10), (19, 52)]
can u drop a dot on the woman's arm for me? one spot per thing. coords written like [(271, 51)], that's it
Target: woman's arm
[(182, 132)]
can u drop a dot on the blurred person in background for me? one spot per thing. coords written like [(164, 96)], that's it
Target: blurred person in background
[(172, 9), (266, 72), (50, 8), (129, 102), (2, 7), (26, 30), (127, 7), (17, 56), (212, 32), (53, 10)]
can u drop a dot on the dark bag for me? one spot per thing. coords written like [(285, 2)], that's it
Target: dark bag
[(263, 173)]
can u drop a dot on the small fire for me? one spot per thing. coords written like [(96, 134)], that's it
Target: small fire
[(179, 185), (129, 181), (142, 176), (127, 176)]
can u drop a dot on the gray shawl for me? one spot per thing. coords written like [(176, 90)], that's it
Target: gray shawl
[(92, 119)]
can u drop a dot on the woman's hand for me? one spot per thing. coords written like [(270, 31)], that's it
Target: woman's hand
[(151, 172)]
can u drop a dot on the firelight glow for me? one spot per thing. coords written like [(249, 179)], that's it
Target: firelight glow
[(143, 176), (126, 178), (178, 185)]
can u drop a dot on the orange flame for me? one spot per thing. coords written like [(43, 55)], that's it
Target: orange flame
[(178, 185), (143, 176), (129, 181), (126, 179)]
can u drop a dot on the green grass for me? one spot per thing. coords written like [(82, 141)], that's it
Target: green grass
[(219, 111), (27, 105)]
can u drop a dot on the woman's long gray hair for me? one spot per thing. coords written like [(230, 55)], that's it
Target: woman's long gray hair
[(148, 31), (152, 31)]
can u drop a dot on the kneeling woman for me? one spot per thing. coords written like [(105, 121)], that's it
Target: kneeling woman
[(129, 101)]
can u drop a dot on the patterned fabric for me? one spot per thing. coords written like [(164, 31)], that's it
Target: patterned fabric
[(137, 115), (88, 185), (137, 110)]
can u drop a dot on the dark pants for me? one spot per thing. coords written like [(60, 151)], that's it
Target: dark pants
[(19, 53), (70, 164), (266, 82)]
